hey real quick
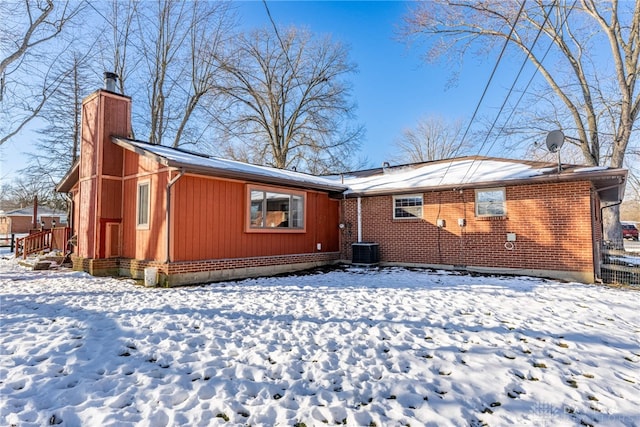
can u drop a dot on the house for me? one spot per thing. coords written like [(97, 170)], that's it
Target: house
[(20, 221), (194, 218), (140, 208), (484, 215)]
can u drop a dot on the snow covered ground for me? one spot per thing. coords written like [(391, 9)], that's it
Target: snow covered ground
[(363, 348)]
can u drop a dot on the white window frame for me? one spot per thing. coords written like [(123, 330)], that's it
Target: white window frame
[(143, 223), (485, 209), (408, 196)]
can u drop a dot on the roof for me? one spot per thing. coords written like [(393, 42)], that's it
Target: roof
[(478, 172), (458, 173), (219, 167), (28, 211)]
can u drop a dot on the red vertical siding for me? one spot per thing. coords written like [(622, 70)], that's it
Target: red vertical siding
[(209, 222), (99, 197), (145, 244)]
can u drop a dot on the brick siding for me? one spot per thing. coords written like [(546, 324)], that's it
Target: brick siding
[(135, 268), (552, 222)]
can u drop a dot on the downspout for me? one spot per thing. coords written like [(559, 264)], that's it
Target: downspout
[(169, 185), (359, 219)]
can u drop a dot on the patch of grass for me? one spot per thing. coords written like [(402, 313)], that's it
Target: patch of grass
[(299, 424), (563, 345), (588, 375), (592, 398), (539, 365), (223, 416), (572, 383)]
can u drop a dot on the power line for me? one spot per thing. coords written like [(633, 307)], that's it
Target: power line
[(486, 88), (524, 91), (284, 50), (511, 89)]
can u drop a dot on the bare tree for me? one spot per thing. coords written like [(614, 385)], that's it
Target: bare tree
[(288, 101), (433, 138), (20, 193), (600, 95), (58, 147), (177, 45), (117, 49), (26, 78)]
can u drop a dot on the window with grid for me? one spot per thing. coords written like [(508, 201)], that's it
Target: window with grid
[(407, 206), (277, 210), (491, 202)]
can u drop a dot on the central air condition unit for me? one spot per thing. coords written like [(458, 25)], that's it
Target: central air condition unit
[(365, 253)]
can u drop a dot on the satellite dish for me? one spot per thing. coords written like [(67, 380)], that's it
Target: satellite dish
[(555, 139)]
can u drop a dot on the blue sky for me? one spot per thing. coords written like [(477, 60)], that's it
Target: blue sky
[(394, 86)]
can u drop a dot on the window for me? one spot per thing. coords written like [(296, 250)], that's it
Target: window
[(143, 205), (491, 202), (272, 209), (408, 206)]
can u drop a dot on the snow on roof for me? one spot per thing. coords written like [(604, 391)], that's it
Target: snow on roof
[(474, 171), (443, 173), (28, 211), (230, 168)]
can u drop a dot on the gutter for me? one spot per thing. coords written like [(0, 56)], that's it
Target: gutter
[(539, 179), (230, 172), (169, 186)]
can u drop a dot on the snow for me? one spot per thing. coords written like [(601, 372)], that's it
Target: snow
[(454, 172), (216, 163), (590, 169), (384, 347)]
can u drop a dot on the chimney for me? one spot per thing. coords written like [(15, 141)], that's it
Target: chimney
[(110, 81)]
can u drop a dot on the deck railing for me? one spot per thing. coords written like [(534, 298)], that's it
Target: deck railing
[(53, 239)]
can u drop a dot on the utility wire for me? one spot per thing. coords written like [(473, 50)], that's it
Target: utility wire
[(526, 88), (284, 50), (486, 88), (511, 89)]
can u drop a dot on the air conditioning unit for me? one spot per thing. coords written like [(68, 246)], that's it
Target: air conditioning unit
[(365, 253)]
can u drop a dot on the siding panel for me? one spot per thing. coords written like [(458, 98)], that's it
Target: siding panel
[(211, 215)]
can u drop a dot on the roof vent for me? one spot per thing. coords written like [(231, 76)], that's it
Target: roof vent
[(110, 81)]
